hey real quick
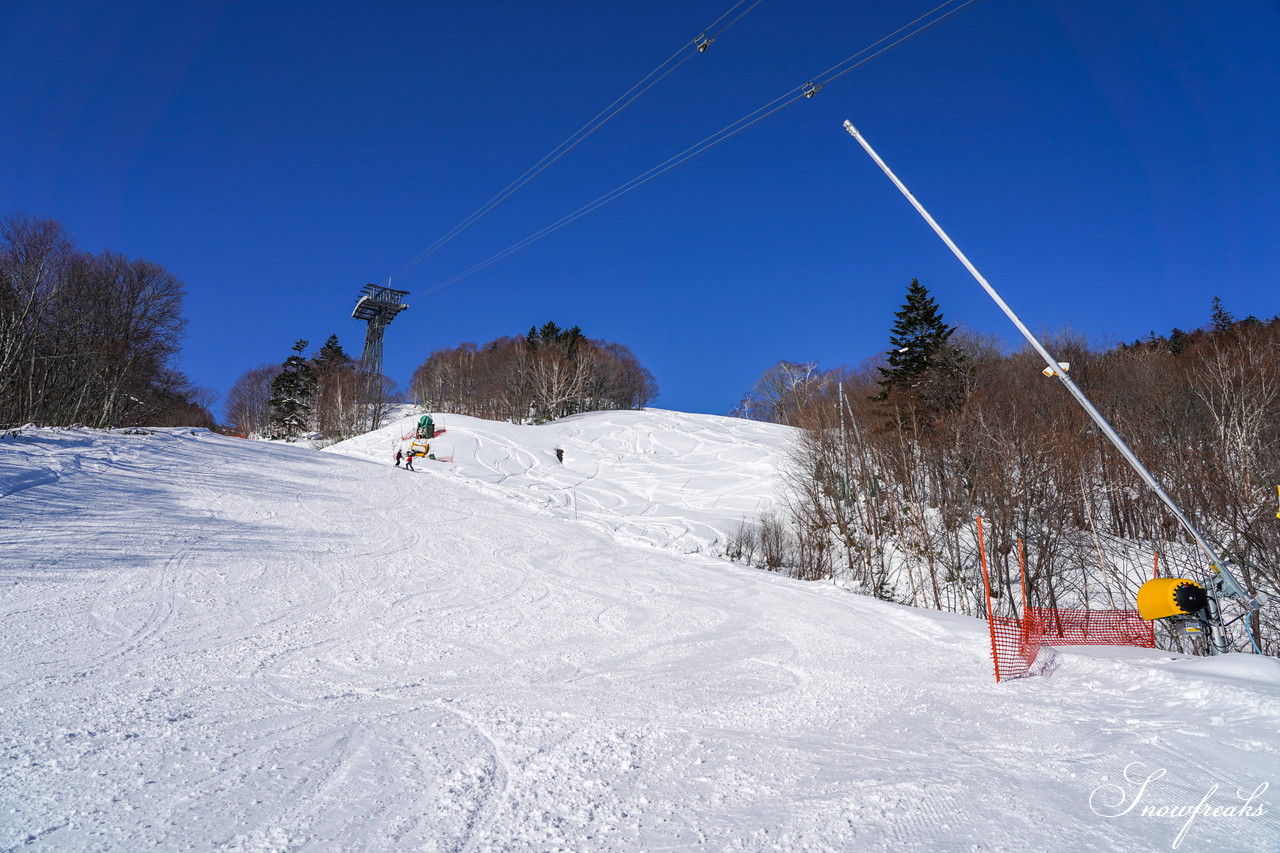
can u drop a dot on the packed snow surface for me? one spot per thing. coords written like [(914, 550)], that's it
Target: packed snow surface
[(208, 643)]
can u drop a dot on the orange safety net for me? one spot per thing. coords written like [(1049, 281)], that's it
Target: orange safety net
[(1058, 627), (1016, 641), (1013, 647)]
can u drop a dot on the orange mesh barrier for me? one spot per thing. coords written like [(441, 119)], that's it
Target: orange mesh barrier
[(1015, 642), (1058, 627), (1013, 648)]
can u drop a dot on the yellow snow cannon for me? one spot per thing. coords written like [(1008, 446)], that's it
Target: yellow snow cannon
[(1164, 597)]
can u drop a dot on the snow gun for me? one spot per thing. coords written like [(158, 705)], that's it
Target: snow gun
[(420, 437), (1195, 606), (1195, 609)]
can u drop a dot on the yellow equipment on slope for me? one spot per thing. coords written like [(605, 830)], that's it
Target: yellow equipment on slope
[(1164, 597)]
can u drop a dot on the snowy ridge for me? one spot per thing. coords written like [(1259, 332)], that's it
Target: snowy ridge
[(216, 644)]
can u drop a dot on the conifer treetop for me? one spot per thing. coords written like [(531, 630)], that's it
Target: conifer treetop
[(918, 336)]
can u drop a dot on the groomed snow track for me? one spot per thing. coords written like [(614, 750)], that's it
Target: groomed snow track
[(215, 644)]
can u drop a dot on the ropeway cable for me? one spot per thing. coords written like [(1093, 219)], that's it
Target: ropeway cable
[(931, 18), (618, 105)]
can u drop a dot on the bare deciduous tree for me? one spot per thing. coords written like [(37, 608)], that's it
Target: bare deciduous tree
[(249, 401), (87, 338), (532, 378)]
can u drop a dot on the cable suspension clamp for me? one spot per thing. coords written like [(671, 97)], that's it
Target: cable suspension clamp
[(812, 89), (702, 43)]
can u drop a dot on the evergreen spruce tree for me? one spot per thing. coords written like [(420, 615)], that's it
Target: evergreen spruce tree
[(551, 335), (331, 358), (918, 342), (292, 393), (337, 404), (1220, 317)]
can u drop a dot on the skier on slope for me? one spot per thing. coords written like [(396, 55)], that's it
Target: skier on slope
[(408, 462), (399, 456)]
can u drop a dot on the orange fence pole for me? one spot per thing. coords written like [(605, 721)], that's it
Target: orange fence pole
[(986, 583), (1022, 575)]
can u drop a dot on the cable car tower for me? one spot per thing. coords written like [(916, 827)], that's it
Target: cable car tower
[(377, 306)]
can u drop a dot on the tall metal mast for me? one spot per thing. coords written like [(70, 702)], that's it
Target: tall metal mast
[(378, 306), (1225, 581)]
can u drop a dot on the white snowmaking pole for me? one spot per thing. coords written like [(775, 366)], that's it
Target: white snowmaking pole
[(1232, 587)]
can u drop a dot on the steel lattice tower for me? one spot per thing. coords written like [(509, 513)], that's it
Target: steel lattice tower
[(378, 306)]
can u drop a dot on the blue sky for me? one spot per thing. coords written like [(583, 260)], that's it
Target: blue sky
[(1110, 167)]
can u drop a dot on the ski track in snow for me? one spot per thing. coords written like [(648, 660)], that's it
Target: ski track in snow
[(215, 644)]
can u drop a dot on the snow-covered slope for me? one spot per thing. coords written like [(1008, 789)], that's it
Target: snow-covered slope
[(209, 643), (661, 477)]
